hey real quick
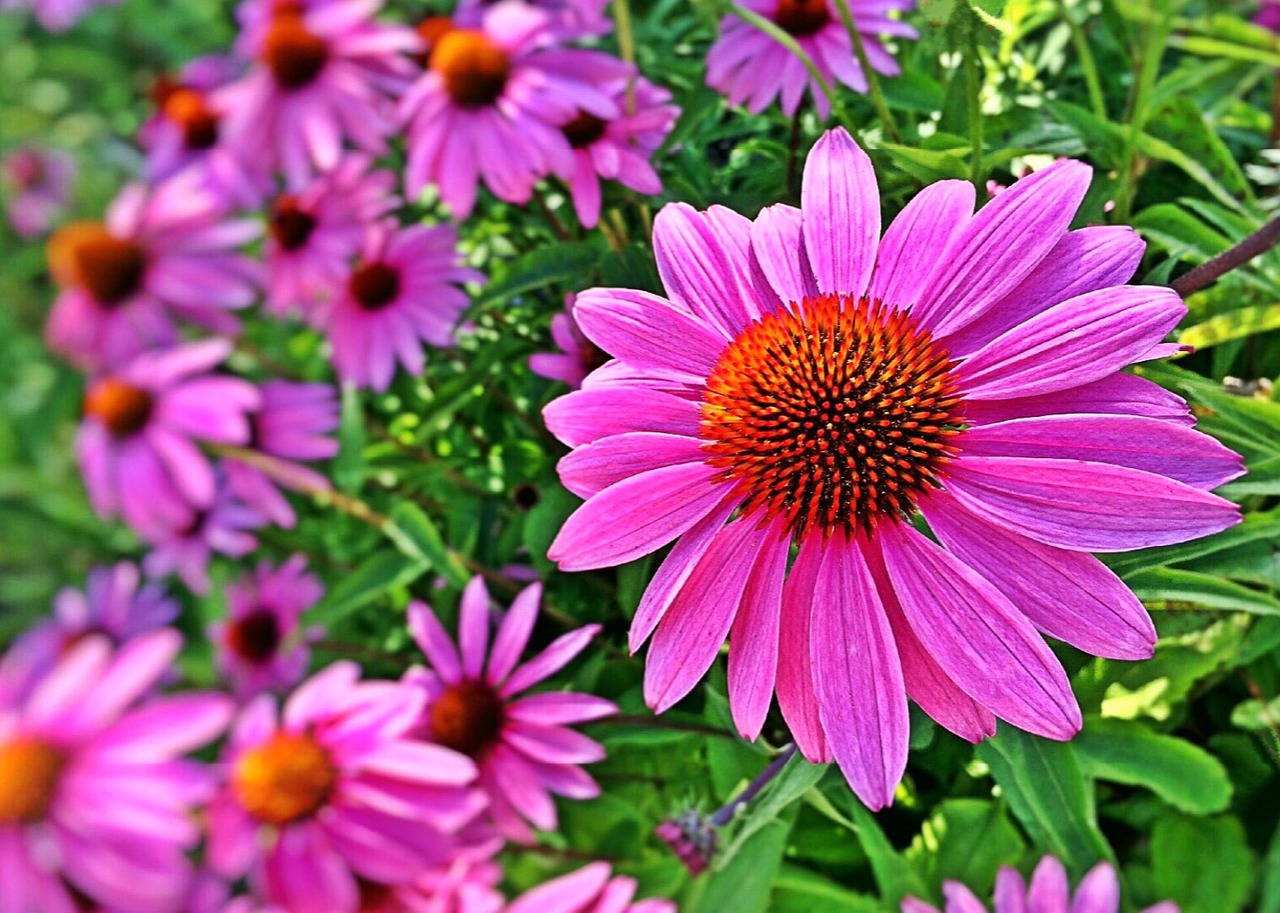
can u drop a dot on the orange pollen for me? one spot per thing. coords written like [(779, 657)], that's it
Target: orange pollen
[(255, 637), (288, 778), (467, 717), (187, 108), (475, 70), (290, 224), (375, 285), (431, 30), (123, 408), (88, 255), (802, 18), (294, 54), (583, 130), (29, 772), (832, 415)]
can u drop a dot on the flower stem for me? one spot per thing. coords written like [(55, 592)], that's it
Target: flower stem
[(1087, 63), (872, 77), (626, 45), (742, 799), (1261, 241), (973, 87), (1150, 51), (777, 34)]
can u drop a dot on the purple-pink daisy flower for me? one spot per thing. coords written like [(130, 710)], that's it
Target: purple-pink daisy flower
[(752, 69), (810, 383), (591, 889), (163, 253), (403, 291), (37, 185), (491, 104), (322, 75), (619, 149), (294, 424), (1049, 892), (332, 790), (578, 355), (523, 745), (138, 444), (570, 19), (96, 800), (262, 646)]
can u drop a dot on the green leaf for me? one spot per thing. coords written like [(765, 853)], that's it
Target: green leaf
[(1046, 790), (894, 875), (1182, 774), (543, 266), (796, 779), (1204, 864), (798, 890), (379, 573), (966, 840), (418, 538), (746, 883), (1175, 585), (1254, 714)]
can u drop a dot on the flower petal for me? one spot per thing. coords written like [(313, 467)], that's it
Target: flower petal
[(646, 331), (797, 697), (550, 661), (513, 633), (753, 639), (841, 204), (777, 242), (918, 242), (434, 641), (703, 261), (590, 414), (473, 627), (591, 468)]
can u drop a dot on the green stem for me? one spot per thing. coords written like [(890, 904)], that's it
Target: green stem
[(973, 85), (1155, 37), (777, 34), (873, 78), (626, 45), (1087, 63)]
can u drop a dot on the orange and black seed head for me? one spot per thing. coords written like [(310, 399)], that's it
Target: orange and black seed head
[(293, 53), (802, 18), (833, 415), (467, 717)]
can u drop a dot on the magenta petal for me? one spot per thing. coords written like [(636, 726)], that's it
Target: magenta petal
[(777, 242), (961, 900), (1049, 887), (636, 516), (550, 661), (590, 469), (473, 627), (587, 415), (797, 698), (703, 262), (918, 241), (753, 639), (646, 331), (1090, 507), (573, 892), (978, 637), (552, 707), (1098, 891), (1011, 891), (841, 204), (1116, 394), (513, 633), (690, 635), (862, 701), (434, 641)]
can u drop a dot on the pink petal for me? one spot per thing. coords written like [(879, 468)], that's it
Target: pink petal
[(777, 242), (841, 204), (646, 331), (702, 260), (1098, 891), (797, 697), (753, 639), (550, 661), (591, 468), (552, 707), (918, 243), (513, 633), (1050, 890), (1116, 394), (587, 415), (434, 641), (473, 627)]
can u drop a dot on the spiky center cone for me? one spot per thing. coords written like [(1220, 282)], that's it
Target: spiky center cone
[(290, 225), (187, 108), (467, 717), (802, 18), (88, 255), (288, 778), (121, 407), (29, 772), (375, 285), (475, 70), (431, 30), (293, 53), (834, 414), (583, 130), (256, 637)]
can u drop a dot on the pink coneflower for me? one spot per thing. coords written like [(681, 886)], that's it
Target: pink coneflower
[(1268, 15), (570, 19), (313, 235), (619, 149), (332, 790), (753, 69), (261, 646), (137, 445), (322, 75), (37, 185), (95, 797), (163, 253), (810, 383), (523, 747), (465, 883), (56, 15), (294, 423), (491, 104), (402, 292), (591, 889), (1098, 892), (578, 356)]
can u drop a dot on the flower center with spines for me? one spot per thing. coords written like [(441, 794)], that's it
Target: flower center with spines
[(186, 108), (290, 224), (293, 53), (289, 777), (29, 772), (583, 130), (255, 637), (375, 285), (87, 254), (834, 414), (123, 408), (467, 717), (474, 69), (802, 18)]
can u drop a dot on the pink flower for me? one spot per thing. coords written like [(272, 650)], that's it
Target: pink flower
[(753, 69), (402, 292), (580, 355), (56, 15), (137, 443), (94, 793), (619, 149), (261, 646), (466, 882), (37, 184), (313, 235), (334, 790), (570, 19), (811, 383), (491, 105), (294, 423), (522, 746), (163, 253), (588, 890), (1098, 892), (322, 76), (1268, 15)]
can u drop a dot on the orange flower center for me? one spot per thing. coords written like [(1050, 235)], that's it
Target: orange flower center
[(475, 70), (288, 778), (294, 54), (255, 637), (802, 18), (832, 415), (467, 717), (375, 285), (187, 108), (583, 130), (29, 771), (431, 30), (123, 408), (88, 255), (290, 224)]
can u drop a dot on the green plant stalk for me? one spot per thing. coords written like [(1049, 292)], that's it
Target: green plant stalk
[(777, 34), (873, 78), (1155, 38), (626, 45), (1087, 63), (973, 87)]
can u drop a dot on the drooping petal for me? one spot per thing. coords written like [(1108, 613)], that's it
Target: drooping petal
[(591, 468), (753, 639), (797, 697), (590, 414)]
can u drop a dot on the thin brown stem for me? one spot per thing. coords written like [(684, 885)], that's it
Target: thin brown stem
[(1261, 241)]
